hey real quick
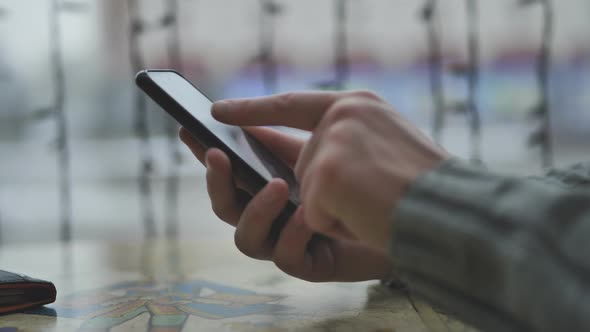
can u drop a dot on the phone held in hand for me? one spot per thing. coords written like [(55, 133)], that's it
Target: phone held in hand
[(252, 163)]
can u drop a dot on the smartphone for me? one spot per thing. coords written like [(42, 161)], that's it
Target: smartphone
[(252, 163)]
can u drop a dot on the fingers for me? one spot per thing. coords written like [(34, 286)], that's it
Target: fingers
[(290, 252), (196, 148), (251, 236), (221, 188), (302, 110), (284, 146)]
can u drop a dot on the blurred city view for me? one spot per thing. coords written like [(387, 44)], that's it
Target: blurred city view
[(68, 96)]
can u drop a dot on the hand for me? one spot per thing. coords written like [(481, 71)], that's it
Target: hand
[(360, 160), (338, 260)]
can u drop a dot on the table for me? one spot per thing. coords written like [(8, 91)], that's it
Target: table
[(200, 285)]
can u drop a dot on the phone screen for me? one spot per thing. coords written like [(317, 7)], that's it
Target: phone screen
[(244, 145)]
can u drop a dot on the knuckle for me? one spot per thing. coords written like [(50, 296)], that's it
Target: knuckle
[(219, 211), (354, 104), (329, 171), (284, 100), (328, 165), (243, 245), (286, 264), (338, 132), (366, 94), (343, 109), (250, 247)]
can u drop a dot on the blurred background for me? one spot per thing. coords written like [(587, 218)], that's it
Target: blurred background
[(84, 156)]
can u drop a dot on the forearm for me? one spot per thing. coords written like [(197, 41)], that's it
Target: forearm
[(503, 253)]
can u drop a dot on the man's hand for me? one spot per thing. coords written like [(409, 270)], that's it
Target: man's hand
[(337, 260), (361, 158)]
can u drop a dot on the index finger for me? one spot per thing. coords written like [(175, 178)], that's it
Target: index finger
[(301, 110)]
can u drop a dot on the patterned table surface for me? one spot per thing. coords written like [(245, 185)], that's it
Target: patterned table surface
[(200, 286)]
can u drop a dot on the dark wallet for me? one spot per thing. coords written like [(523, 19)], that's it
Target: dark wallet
[(19, 292)]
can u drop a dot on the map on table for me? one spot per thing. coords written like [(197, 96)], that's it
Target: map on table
[(168, 305)]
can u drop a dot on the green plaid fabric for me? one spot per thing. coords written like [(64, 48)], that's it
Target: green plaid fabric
[(503, 253)]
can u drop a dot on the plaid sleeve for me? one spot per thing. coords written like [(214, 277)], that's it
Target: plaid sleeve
[(503, 253), (577, 175)]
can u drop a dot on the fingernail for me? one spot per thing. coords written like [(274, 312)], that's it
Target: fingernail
[(220, 107)]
